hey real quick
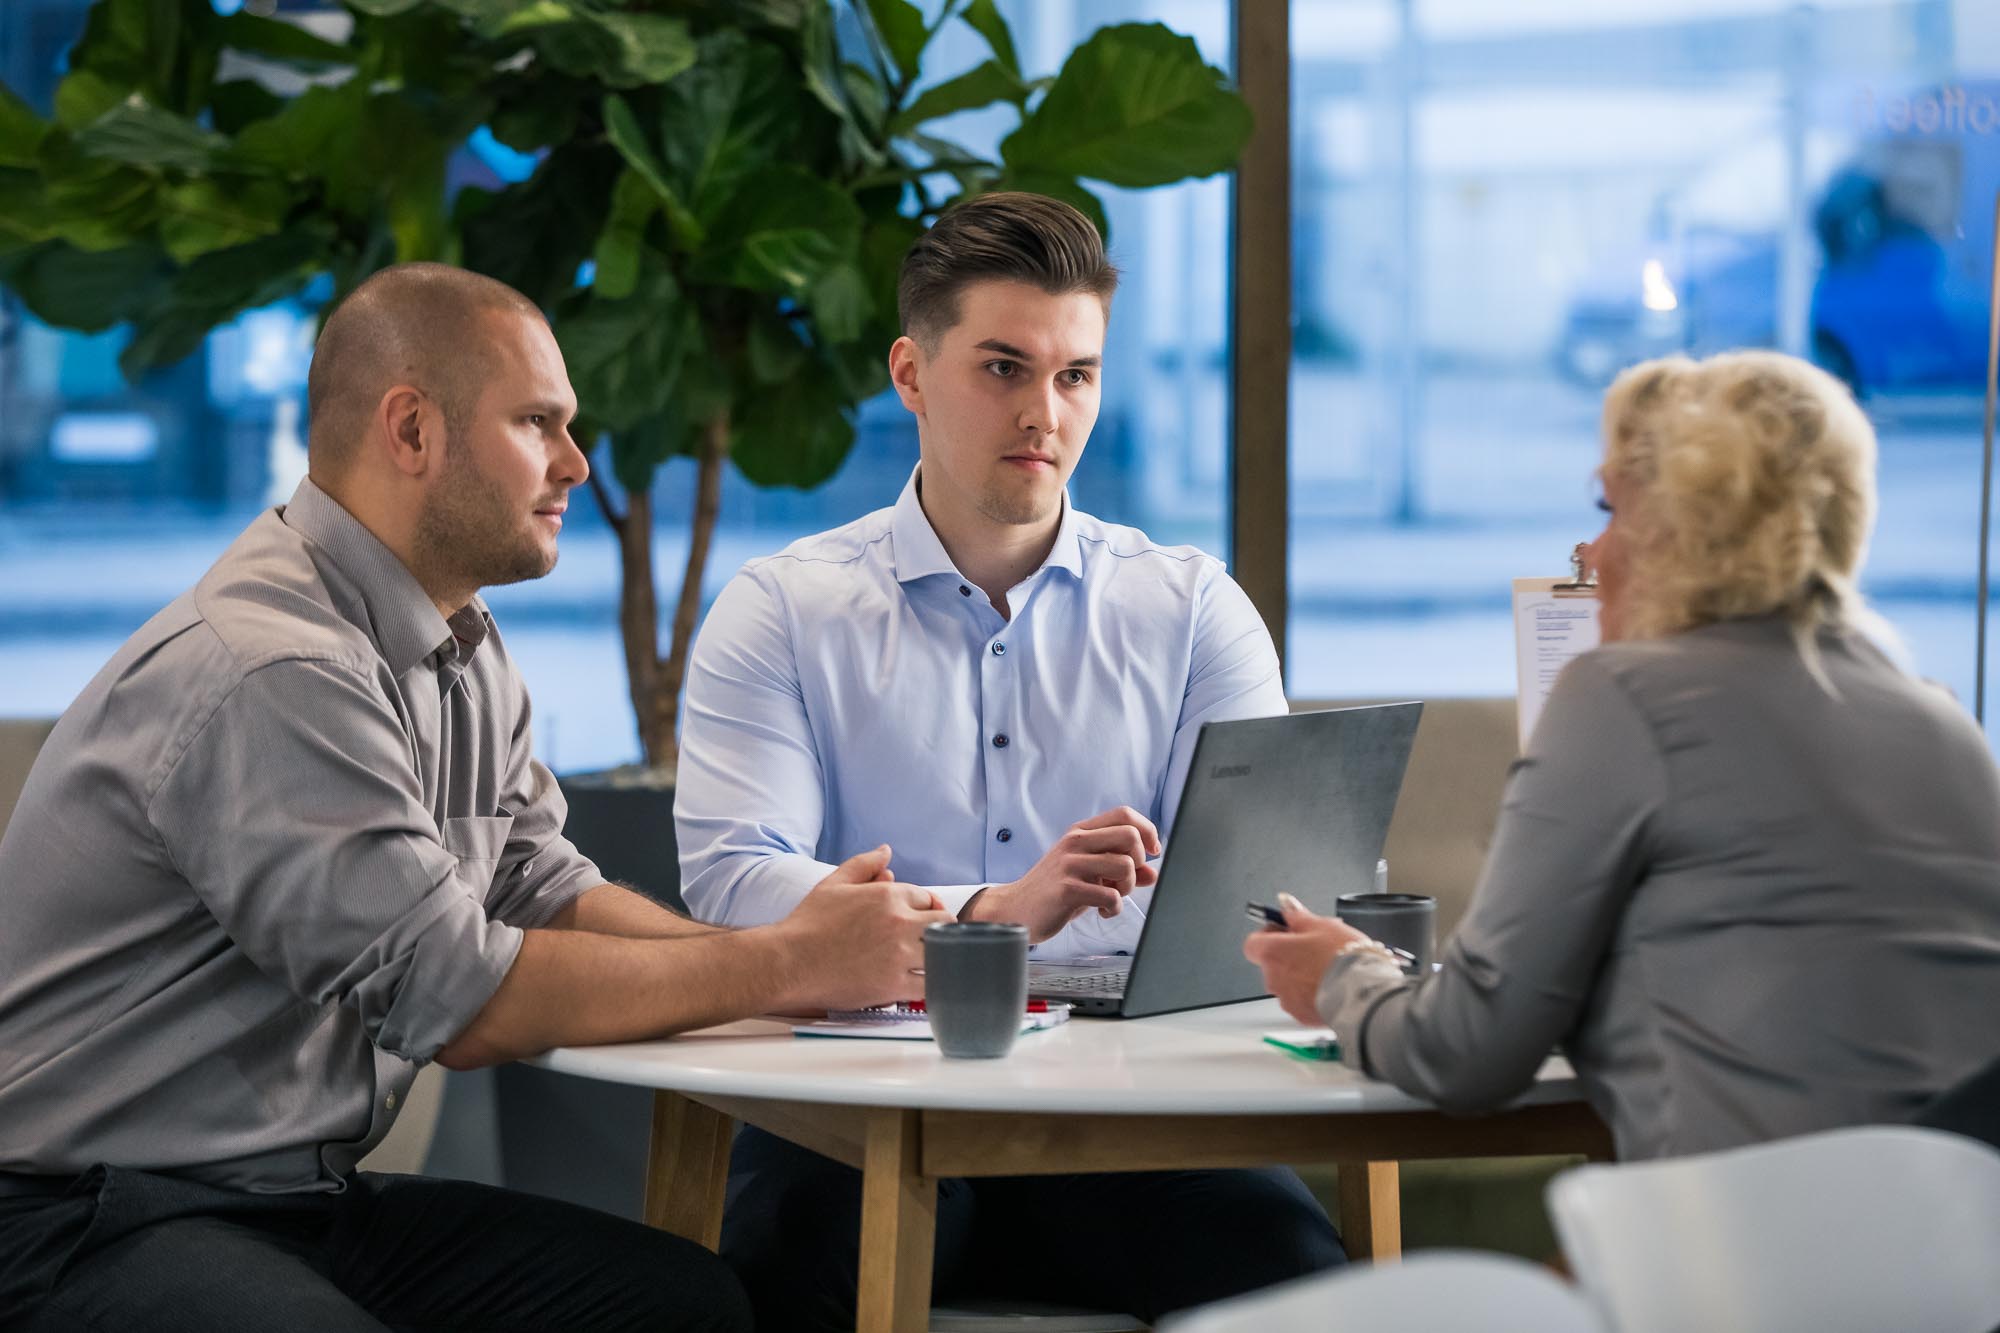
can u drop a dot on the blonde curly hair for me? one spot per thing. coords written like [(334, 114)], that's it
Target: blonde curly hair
[(1751, 491)]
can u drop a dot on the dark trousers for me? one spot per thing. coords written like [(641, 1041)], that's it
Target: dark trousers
[(1140, 1243), (125, 1250)]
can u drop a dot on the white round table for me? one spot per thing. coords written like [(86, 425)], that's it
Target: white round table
[(1197, 1089)]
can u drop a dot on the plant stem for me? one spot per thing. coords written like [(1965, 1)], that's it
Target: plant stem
[(639, 614), (662, 743)]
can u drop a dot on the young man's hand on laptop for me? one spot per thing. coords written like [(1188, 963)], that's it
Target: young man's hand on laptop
[(1094, 865)]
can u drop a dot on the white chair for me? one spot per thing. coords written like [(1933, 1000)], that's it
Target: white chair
[(1435, 1291), (1851, 1231), (1026, 1317)]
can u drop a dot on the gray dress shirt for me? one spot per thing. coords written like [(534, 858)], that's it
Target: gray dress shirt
[(1744, 906), (277, 854)]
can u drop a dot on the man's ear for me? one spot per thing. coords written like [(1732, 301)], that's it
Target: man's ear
[(906, 368), (409, 427)]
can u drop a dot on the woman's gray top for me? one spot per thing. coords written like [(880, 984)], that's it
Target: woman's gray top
[(1745, 907)]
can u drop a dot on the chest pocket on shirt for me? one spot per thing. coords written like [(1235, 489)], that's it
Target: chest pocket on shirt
[(477, 841)]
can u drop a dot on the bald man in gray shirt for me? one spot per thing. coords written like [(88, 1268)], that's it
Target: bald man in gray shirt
[(291, 844)]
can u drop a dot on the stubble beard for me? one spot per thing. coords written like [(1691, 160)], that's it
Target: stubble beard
[(467, 534)]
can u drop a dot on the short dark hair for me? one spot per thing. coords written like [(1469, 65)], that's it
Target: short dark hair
[(1010, 235)]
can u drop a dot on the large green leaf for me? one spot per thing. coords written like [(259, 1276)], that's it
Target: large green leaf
[(736, 111), (301, 140), (840, 303), (784, 229), (638, 450), (275, 39), (534, 234), (26, 219), (84, 95), (141, 135), (982, 85), (165, 50), (622, 242), (21, 131), (621, 126), (238, 103), (620, 50), (772, 348), (867, 97), (89, 291), (984, 16), (883, 245), (1136, 107), (901, 25), (796, 438), (218, 287), (625, 356), (530, 116), (94, 204), (202, 215)]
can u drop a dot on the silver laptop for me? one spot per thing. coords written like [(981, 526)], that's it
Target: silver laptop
[(1298, 804)]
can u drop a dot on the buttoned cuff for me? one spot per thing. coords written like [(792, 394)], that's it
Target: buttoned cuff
[(956, 896)]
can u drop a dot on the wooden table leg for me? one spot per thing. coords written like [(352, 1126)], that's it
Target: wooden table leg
[(898, 1227), (687, 1168), (1371, 1210)]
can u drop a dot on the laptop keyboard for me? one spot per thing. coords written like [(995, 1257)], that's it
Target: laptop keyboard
[(1081, 983)]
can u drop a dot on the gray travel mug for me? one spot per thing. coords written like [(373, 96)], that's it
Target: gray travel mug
[(1406, 921), (976, 986)]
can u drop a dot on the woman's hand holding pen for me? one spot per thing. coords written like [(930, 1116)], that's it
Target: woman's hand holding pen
[(1295, 957)]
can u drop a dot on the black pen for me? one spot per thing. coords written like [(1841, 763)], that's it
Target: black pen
[(1266, 915)]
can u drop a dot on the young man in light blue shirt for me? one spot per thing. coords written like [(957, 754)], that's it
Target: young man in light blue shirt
[(1006, 692)]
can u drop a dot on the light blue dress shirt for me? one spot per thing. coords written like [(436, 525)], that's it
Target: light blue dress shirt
[(856, 689)]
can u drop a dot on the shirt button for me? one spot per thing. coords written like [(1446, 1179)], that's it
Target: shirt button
[(1000, 741), (999, 650), (1004, 835), (964, 591), (389, 1102)]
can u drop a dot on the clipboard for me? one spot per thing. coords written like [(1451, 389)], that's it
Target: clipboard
[(1554, 621)]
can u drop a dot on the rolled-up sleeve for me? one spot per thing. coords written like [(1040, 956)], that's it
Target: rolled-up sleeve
[(1569, 848), (295, 814), (749, 800)]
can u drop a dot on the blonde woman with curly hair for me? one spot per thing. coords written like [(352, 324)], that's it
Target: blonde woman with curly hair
[(1747, 875)]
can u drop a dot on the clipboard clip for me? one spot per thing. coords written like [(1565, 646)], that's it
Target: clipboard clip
[(1580, 580)]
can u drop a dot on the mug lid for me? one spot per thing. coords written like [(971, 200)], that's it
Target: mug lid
[(974, 930)]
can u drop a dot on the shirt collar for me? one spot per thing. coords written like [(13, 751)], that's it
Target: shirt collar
[(400, 617), (918, 553)]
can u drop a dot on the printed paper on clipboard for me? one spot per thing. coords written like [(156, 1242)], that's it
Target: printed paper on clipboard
[(1554, 620)]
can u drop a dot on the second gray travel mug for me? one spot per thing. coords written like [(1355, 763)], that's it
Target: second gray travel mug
[(1406, 921), (976, 986)]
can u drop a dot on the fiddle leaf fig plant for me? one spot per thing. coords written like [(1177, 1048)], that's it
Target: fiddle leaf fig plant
[(721, 195)]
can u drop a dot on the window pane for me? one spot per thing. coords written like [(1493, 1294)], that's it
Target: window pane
[(1497, 207)]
